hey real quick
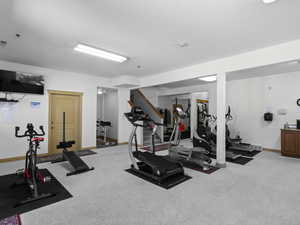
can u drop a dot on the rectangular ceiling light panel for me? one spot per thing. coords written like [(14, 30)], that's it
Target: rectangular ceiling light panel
[(99, 53), (208, 78)]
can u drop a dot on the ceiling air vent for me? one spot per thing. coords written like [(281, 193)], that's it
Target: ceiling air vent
[(3, 43)]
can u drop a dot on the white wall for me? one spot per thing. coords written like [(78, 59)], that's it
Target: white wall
[(21, 113), (251, 98), (124, 125)]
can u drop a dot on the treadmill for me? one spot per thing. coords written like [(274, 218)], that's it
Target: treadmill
[(156, 169)]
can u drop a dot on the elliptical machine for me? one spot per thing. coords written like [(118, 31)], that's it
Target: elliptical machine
[(205, 138), (197, 155), (235, 144), (31, 174)]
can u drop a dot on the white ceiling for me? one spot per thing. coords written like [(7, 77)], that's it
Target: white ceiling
[(183, 83), (146, 31), (265, 70), (275, 69)]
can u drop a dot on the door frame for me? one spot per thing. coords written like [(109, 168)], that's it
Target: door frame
[(69, 93)]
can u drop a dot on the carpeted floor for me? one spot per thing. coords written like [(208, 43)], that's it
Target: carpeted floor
[(13, 220), (263, 192), (50, 158)]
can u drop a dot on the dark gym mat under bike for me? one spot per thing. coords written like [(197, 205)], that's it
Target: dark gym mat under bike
[(246, 154), (9, 197), (239, 160)]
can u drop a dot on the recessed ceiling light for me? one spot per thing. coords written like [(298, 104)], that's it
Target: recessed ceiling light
[(183, 45), (100, 53), (293, 62), (208, 78), (268, 1), (100, 91), (3, 43)]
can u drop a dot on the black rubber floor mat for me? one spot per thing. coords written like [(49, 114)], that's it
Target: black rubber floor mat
[(167, 184), (246, 154), (58, 157), (240, 160), (9, 197), (194, 166)]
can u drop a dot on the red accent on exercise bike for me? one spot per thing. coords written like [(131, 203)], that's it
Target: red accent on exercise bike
[(40, 177), (38, 139), (182, 127), (27, 174)]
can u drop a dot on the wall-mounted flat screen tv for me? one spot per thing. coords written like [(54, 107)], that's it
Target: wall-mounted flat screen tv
[(18, 82)]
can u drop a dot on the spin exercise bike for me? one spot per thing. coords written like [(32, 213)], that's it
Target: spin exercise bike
[(31, 173)]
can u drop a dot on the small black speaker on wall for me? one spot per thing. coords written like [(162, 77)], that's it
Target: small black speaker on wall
[(298, 124), (268, 117)]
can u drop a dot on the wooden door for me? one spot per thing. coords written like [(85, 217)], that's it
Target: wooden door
[(290, 143), (70, 103)]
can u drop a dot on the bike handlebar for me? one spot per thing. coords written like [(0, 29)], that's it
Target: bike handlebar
[(30, 132)]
